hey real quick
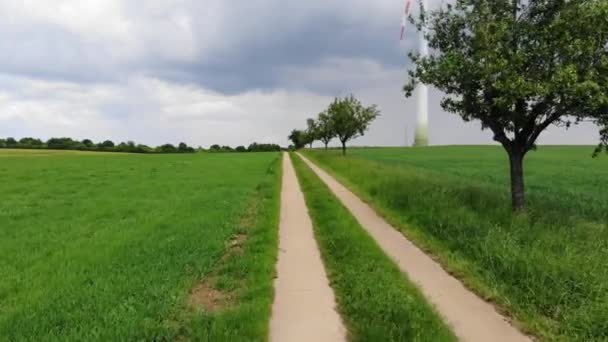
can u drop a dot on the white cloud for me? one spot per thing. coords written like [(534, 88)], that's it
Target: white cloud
[(150, 111)]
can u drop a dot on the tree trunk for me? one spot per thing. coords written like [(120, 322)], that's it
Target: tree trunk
[(326, 145), (344, 148), (516, 160)]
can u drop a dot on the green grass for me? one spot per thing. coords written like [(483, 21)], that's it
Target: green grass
[(106, 247), (376, 300), (247, 274), (546, 268)]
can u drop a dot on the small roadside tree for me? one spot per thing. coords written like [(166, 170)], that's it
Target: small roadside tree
[(350, 119), (517, 68), (298, 138), (311, 131), (325, 130)]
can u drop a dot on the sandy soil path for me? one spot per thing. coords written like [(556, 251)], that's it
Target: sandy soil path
[(304, 304), (471, 318)]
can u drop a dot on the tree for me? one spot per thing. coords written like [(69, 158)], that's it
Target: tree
[(240, 149), (30, 143), (88, 143), (61, 143), (166, 148), (10, 142), (140, 148), (517, 68), (123, 147), (184, 148), (325, 130), (298, 138), (602, 122), (106, 145), (350, 119), (255, 147), (310, 135)]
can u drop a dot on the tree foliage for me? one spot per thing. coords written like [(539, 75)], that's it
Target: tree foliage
[(517, 68), (11, 142), (298, 138), (349, 119), (603, 146), (311, 133), (30, 143), (166, 148), (106, 145), (255, 147), (88, 145), (345, 118), (184, 148), (325, 129)]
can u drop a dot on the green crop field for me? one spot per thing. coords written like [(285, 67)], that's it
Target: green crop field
[(547, 268), (108, 247)]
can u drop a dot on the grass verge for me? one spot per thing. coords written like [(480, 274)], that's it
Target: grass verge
[(233, 301), (376, 300), (546, 268)]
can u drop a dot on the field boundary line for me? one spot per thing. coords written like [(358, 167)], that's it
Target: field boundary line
[(471, 318), (304, 307)]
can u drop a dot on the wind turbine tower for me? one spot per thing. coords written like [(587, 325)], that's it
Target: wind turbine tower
[(422, 124), (422, 91)]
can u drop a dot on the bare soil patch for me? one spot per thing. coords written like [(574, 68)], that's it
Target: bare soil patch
[(206, 296)]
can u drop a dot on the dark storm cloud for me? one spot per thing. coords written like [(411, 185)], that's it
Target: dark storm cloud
[(248, 51)]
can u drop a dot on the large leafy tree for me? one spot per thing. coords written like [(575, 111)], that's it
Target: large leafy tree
[(517, 67), (350, 119), (325, 129)]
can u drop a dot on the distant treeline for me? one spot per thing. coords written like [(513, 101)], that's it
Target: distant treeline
[(129, 146), (89, 145), (255, 147)]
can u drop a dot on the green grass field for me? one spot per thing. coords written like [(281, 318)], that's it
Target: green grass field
[(108, 247), (376, 300), (546, 268)]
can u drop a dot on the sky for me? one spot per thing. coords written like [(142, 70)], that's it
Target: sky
[(208, 72)]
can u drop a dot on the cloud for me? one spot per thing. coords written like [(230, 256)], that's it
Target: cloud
[(149, 110), (213, 71)]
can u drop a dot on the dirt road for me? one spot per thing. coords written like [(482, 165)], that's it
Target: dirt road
[(471, 318), (304, 303)]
